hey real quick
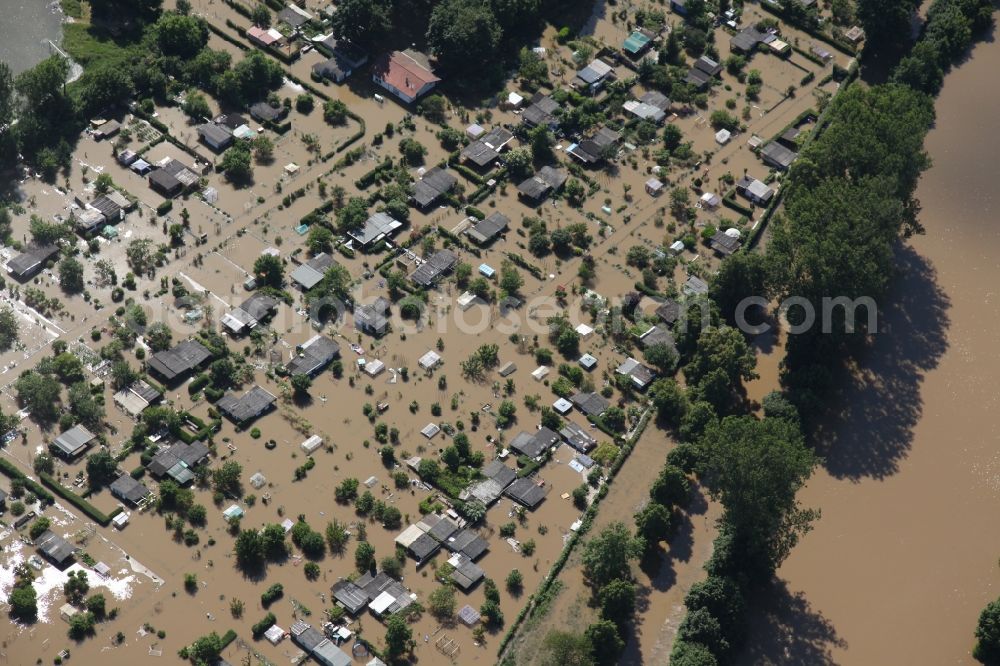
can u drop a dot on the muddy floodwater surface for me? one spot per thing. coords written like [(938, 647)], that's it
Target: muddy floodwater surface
[(903, 558)]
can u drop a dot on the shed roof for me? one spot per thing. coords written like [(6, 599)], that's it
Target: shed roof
[(182, 358), (74, 441), (526, 491), (249, 406), (128, 489), (309, 274), (55, 547)]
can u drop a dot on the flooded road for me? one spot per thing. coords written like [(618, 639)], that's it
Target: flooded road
[(902, 560)]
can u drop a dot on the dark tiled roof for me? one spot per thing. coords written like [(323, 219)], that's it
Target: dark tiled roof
[(314, 356), (128, 489), (183, 358), (487, 229), (248, 406)]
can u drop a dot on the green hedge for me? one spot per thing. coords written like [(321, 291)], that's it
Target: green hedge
[(11, 471), (165, 207), (228, 638), (83, 505)]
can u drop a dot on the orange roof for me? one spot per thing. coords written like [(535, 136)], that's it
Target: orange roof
[(403, 72)]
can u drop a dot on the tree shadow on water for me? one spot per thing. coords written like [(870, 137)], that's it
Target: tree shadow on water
[(880, 401), (784, 629)]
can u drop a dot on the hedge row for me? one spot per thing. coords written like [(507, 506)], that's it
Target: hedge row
[(567, 550), (11, 471), (83, 505)]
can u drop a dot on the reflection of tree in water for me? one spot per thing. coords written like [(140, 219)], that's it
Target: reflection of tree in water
[(880, 403)]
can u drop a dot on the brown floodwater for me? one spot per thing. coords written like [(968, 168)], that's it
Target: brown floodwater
[(902, 560)]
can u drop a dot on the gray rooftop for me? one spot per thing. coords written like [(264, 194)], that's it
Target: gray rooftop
[(129, 490), (434, 267), (591, 404), (377, 227), (577, 437), (526, 491), (248, 406), (314, 355), (778, 155), (468, 543), (182, 358), (432, 185), (259, 305), (489, 228), (186, 455), (309, 274), (349, 595), (31, 259), (74, 441), (55, 547)]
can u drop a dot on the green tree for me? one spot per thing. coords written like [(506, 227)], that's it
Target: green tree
[(71, 275), (181, 36), (365, 23), (398, 637), (335, 112), (412, 151), (652, 525), (441, 602), (531, 67), (617, 600), (249, 549), (567, 649), (263, 149), (23, 602), (886, 23), (605, 642), (320, 239), (206, 650), (159, 336), (269, 270), (226, 479), (510, 279), (236, 164), (9, 328), (464, 35), (987, 648), (273, 544), (606, 557), (364, 556), (353, 215), (101, 469), (756, 468), (541, 144), (670, 488), (260, 15)]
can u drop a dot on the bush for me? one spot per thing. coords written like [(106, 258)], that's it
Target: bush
[(271, 595), (265, 623)]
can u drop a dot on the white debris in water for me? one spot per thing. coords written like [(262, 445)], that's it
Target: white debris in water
[(49, 583)]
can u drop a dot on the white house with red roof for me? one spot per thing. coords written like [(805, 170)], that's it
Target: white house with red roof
[(406, 74)]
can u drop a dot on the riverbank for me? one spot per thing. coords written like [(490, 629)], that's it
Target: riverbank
[(25, 32), (898, 568)]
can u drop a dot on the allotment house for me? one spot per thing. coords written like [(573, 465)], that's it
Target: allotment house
[(534, 190), (251, 312), (28, 264), (485, 231), (433, 268), (486, 149), (311, 273), (71, 444), (432, 186), (597, 148), (55, 548), (380, 226), (372, 318), (241, 410), (542, 112), (178, 461), (129, 490), (174, 364), (313, 355)]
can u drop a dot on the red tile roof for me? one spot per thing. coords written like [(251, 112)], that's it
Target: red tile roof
[(403, 72)]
